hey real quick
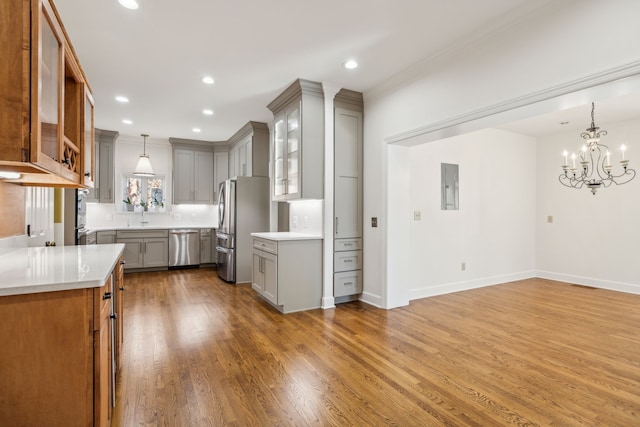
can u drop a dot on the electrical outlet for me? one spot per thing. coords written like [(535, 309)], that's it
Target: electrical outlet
[(374, 221), (463, 266), (109, 217), (417, 215), (294, 221), (550, 219), (305, 222)]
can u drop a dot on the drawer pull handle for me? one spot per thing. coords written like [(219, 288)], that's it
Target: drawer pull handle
[(348, 260), (348, 283), (107, 295)]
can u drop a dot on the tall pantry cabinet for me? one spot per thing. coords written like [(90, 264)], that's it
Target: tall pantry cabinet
[(348, 188)]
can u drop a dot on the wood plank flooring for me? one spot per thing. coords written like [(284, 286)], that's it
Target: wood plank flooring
[(200, 352)]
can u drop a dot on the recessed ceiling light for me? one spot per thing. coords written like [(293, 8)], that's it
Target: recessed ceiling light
[(350, 64), (127, 122), (196, 130), (207, 112), (129, 4), (122, 99), (208, 80)]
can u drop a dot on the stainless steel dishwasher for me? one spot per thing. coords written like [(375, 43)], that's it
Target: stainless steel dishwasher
[(184, 247)]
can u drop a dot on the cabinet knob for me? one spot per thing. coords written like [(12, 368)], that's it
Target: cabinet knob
[(123, 262), (114, 316), (122, 288), (87, 174)]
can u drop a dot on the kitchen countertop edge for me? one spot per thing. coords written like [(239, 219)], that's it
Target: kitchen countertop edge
[(286, 235), (54, 277)]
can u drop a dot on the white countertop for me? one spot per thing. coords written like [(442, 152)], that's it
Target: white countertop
[(286, 235), (57, 268)]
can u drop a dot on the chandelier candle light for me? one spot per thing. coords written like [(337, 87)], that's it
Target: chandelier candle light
[(595, 163)]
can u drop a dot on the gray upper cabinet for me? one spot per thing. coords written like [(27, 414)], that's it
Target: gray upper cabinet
[(249, 151), (193, 177), (103, 190), (298, 142), (220, 170)]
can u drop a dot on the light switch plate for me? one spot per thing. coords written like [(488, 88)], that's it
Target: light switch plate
[(417, 215)]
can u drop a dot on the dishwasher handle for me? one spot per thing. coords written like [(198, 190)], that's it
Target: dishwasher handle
[(185, 231)]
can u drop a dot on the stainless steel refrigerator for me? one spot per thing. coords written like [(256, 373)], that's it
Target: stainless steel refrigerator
[(243, 208)]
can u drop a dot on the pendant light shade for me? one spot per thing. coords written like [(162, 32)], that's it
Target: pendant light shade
[(144, 167)]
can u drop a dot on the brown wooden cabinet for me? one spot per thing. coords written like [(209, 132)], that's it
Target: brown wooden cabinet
[(47, 111), (119, 292), (56, 364)]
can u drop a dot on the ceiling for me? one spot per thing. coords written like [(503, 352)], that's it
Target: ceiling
[(158, 54)]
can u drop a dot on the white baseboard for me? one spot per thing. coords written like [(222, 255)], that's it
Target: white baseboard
[(447, 288), (374, 300), (629, 288), (328, 302)]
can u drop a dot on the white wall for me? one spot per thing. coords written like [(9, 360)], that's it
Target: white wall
[(593, 239), (550, 50), (493, 232), (305, 216)]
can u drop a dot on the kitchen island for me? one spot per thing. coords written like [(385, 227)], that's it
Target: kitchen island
[(61, 333)]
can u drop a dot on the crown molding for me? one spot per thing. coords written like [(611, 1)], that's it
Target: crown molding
[(607, 76)]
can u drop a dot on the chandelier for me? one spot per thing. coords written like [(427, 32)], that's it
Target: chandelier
[(595, 169)]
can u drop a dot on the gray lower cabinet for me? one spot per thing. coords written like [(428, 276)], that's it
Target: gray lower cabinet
[(144, 248), (288, 273), (208, 253), (347, 267)]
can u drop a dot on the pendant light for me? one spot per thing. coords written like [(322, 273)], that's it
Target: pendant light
[(144, 164)]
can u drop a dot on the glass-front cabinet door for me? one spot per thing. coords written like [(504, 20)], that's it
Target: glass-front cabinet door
[(88, 167), (48, 90), (279, 153), (293, 152), (286, 142)]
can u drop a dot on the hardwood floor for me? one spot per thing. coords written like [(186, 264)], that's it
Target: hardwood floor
[(200, 352)]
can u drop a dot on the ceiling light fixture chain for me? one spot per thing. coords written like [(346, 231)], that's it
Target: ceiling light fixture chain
[(595, 169)]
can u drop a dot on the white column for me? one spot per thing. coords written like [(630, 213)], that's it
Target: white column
[(330, 91)]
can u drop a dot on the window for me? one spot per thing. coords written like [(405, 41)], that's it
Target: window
[(143, 193)]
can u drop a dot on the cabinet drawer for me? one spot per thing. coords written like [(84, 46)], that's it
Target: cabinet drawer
[(266, 245), (347, 244), (347, 283), (348, 260)]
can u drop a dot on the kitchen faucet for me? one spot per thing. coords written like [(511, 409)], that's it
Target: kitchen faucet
[(142, 221)]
